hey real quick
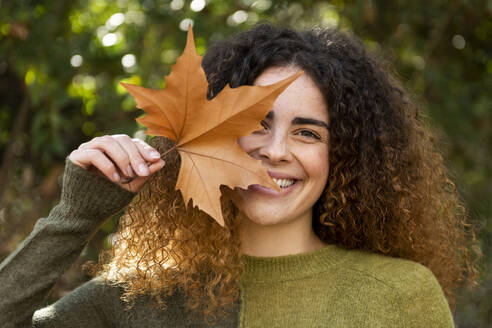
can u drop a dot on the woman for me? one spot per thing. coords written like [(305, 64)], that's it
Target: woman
[(367, 231)]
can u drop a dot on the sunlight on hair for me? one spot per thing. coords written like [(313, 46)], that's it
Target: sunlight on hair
[(136, 267)]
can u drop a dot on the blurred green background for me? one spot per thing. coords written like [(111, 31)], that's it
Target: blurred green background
[(61, 62)]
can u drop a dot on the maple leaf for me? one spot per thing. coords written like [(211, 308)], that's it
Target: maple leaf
[(205, 132)]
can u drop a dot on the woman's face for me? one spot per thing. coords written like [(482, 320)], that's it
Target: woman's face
[(293, 146)]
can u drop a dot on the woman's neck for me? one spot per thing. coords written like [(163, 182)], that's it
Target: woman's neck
[(287, 238)]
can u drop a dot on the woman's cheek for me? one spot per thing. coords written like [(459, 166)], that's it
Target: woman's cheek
[(315, 162), (249, 143), (243, 143)]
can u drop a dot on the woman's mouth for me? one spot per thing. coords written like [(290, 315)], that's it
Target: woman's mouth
[(286, 185)]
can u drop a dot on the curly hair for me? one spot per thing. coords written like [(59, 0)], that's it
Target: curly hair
[(388, 189)]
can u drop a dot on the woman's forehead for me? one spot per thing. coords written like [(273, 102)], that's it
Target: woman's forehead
[(274, 74), (301, 98)]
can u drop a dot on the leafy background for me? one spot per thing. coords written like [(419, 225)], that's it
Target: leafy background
[(61, 62)]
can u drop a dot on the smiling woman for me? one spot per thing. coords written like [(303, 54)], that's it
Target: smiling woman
[(366, 231), (293, 146)]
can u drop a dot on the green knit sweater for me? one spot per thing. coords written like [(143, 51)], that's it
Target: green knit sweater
[(329, 287)]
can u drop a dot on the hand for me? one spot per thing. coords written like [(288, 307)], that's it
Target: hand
[(125, 161)]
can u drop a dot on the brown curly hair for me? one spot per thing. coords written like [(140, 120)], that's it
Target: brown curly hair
[(388, 189)]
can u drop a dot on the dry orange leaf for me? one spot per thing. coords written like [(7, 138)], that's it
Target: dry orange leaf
[(206, 131)]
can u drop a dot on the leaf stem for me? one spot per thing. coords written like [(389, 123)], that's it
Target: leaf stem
[(168, 151)]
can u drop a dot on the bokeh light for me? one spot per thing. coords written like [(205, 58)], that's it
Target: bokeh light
[(177, 4), (237, 18), (128, 60), (458, 41), (76, 60), (109, 39), (183, 25), (115, 20), (197, 5), (262, 5)]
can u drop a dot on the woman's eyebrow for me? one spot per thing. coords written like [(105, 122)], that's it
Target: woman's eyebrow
[(301, 120), (306, 120)]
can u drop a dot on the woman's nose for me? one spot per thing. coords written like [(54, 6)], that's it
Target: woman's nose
[(275, 149)]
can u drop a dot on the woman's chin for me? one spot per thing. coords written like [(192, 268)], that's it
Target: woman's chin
[(260, 216), (257, 210)]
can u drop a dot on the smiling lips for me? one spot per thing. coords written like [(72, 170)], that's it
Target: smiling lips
[(285, 182)]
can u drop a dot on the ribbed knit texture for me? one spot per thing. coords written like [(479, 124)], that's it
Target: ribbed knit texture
[(329, 287), (335, 287)]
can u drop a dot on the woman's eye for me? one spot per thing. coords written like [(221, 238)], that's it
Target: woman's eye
[(264, 125), (310, 134)]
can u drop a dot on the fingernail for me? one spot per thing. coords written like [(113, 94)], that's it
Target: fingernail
[(155, 154), (130, 171), (144, 170), (116, 177)]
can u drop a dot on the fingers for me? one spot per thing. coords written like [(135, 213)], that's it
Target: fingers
[(94, 157), (137, 183), (124, 152), (139, 152), (137, 163), (109, 146), (149, 153), (118, 157)]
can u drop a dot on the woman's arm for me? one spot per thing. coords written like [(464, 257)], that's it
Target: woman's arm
[(29, 273), (88, 198)]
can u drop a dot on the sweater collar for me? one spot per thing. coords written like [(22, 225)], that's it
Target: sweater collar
[(289, 267)]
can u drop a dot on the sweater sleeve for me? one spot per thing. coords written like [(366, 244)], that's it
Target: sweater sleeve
[(423, 303), (94, 304), (28, 274)]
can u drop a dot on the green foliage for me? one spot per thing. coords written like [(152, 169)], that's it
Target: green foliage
[(68, 57)]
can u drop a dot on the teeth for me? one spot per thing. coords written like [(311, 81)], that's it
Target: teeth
[(283, 183)]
